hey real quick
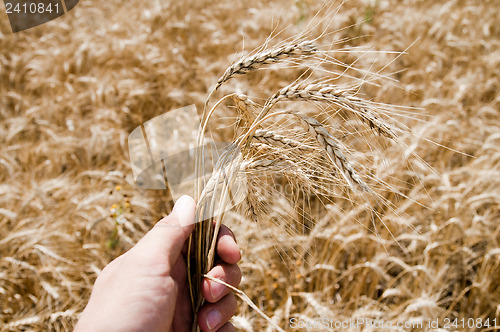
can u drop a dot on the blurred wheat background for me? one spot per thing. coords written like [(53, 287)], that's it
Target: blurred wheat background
[(72, 90)]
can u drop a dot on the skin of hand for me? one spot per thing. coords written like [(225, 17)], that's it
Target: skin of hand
[(146, 288)]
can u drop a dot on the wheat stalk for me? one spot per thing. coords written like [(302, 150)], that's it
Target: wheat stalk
[(209, 214)]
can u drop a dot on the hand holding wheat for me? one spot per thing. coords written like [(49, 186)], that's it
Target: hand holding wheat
[(146, 288)]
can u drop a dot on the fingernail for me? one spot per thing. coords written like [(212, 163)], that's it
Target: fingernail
[(213, 319), (216, 289), (184, 209), (233, 239)]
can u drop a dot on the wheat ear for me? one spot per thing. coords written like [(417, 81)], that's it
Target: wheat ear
[(272, 138), (332, 94), (333, 150), (325, 140), (253, 62), (245, 107)]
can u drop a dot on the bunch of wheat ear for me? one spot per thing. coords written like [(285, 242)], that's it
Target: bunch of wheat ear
[(258, 148)]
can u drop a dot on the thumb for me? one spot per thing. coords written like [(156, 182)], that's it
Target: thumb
[(169, 235)]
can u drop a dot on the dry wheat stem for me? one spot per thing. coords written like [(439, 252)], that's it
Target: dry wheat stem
[(246, 299), (208, 225)]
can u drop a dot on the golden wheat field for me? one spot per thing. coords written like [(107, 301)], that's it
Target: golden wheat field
[(423, 247)]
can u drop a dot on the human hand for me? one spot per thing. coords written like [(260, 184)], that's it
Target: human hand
[(146, 288)]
